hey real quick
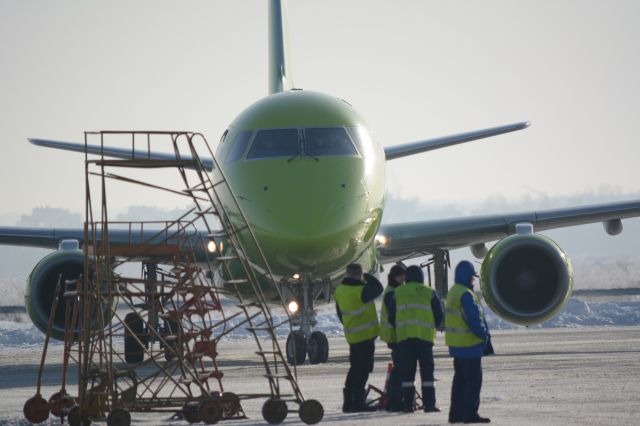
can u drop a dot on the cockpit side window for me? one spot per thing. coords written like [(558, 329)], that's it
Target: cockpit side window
[(224, 135), (239, 147), (328, 141), (275, 143), (361, 138)]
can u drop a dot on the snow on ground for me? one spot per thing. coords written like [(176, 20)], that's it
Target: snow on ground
[(15, 333), (583, 376), (577, 313)]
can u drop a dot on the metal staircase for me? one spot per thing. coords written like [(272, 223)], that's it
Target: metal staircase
[(152, 342)]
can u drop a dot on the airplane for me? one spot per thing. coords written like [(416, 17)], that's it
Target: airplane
[(311, 181)]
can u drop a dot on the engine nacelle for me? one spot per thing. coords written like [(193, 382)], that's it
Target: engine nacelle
[(526, 279), (41, 287)]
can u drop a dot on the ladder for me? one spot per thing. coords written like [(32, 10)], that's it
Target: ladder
[(236, 230), (176, 296)]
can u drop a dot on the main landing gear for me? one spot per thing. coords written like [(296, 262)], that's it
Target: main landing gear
[(305, 342)]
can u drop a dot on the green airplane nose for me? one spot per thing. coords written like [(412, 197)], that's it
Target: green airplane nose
[(307, 213)]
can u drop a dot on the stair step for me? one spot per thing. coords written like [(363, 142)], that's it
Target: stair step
[(223, 258), (268, 353), (202, 186), (278, 376), (237, 281), (210, 210)]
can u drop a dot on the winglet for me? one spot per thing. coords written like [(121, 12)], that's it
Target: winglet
[(412, 148), (280, 76)]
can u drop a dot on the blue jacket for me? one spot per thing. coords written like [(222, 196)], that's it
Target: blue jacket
[(477, 326)]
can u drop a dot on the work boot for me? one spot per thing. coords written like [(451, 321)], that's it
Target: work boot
[(395, 403), (408, 399), (478, 419), (429, 399), (359, 404), (347, 406)]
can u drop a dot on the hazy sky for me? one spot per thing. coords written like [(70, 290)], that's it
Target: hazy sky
[(414, 69)]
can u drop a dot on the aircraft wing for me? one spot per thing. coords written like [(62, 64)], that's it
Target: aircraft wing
[(403, 150), (52, 237), (404, 240), (125, 154)]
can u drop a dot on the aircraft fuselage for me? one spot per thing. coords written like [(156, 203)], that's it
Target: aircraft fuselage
[(310, 181)]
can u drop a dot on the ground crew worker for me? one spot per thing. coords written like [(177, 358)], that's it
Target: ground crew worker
[(416, 313), (396, 278), (467, 335), (357, 312)]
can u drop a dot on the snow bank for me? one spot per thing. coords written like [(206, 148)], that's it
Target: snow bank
[(19, 334), (576, 314), (582, 314)]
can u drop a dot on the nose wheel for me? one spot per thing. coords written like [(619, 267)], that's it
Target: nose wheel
[(296, 348), (305, 342), (316, 347)]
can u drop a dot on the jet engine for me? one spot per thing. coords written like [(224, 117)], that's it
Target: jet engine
[(526, 279), (41, 286)]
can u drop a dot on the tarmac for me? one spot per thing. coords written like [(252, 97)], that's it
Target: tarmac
[(582, 376)]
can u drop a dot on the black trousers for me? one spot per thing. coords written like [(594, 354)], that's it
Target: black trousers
[(465, 390), (412, 352), (394, 387), (360, 365)]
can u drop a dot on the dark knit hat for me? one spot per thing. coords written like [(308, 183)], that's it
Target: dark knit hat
[(354, 269), (396, 271), (414, 274)]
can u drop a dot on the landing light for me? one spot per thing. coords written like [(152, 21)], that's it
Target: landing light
[(293, 306), (382, 240), (211, 247), (296, 276)]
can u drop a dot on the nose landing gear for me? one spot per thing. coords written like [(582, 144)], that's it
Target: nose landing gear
[(306, 342)]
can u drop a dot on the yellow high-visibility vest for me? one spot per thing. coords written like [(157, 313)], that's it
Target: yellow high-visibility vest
[(387, 331), (414, 317), (360, 320), (456, 331)]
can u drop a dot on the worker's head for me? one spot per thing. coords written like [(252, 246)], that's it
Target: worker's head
[(396, 275), (414, 274), (354, 270), (465, 272)]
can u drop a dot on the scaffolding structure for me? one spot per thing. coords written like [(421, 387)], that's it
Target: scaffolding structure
[(150, 341)]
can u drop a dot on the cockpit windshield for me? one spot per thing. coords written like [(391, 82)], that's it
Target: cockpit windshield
[(328, 141), (275, 143), (313, 142)]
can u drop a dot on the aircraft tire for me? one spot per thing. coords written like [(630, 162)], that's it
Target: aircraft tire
[(296, 348), (318, 348), (133, 350)]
